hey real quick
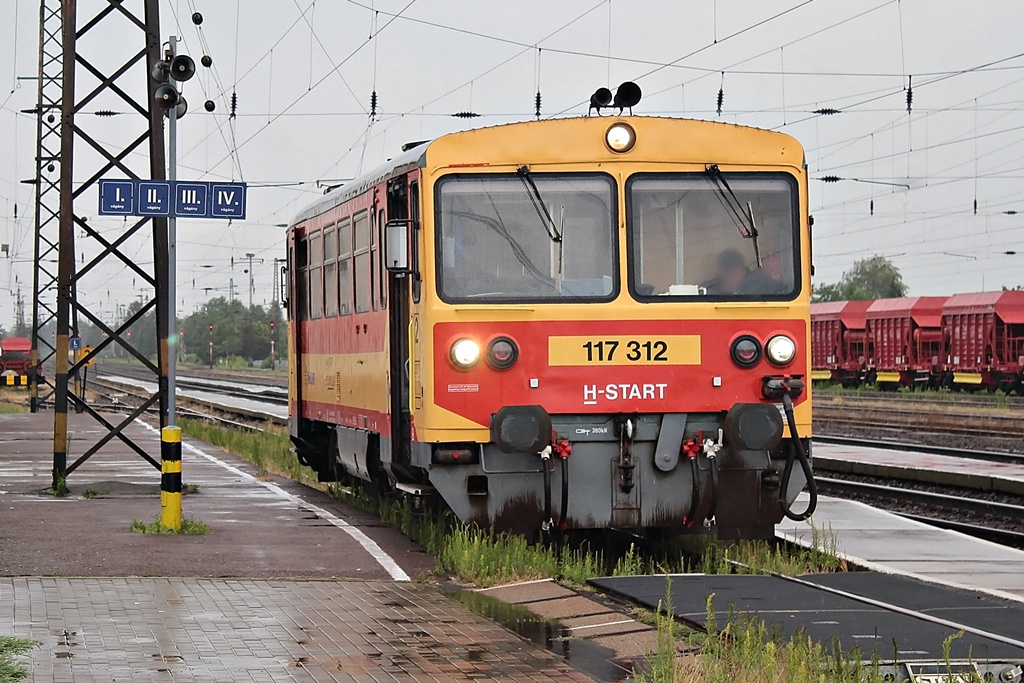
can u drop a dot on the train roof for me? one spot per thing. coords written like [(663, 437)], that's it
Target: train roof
[(850, 313), (926, 311), (16, 344), (790, 150), (1007, 304)]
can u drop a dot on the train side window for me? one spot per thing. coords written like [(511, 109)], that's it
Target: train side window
[(361, 231), (381, 268), (414, 214), (316, 284), (345, 266), (330, 272)]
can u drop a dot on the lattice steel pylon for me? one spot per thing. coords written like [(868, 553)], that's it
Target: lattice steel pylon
[(107, 119), (47, 182)]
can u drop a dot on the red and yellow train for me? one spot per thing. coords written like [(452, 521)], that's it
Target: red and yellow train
[(569, 324)]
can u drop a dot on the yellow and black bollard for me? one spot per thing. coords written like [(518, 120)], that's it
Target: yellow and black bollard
[(170, 481)]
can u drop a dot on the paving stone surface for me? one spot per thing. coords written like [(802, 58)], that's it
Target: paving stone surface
[(159, 629), (257, 599)]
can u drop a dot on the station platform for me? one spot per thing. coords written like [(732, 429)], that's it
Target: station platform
[(884, 542), (984, 475), (289, 584)]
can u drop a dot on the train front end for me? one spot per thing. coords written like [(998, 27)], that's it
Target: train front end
[(613, 326)]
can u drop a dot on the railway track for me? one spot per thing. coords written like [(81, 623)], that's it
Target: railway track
[(994, 520), (931, 398), (123, 396)]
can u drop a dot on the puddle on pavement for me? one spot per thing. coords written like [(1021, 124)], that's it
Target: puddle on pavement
[(584, 655)]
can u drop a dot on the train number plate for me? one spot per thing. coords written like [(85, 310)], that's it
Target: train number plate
[(619, 350)]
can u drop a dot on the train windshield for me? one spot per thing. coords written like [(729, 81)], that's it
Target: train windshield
[(526, 237), (716, 236)]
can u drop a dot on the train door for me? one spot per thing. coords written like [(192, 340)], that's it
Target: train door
[(399, 295), (295, 295)]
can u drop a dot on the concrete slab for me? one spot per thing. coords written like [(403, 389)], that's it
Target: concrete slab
[(528, 592), (830, 615), (982, 474), (567, 608), (145, 629)]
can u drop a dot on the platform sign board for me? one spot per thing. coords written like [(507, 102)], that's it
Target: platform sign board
[(180, 199), (117, 197), (228, 201), (75, 343), (190, 200), (154, 198)]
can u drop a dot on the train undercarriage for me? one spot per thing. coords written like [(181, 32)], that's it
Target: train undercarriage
[(732, 473)]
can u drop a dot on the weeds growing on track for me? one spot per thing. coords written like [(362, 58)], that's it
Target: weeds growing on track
[(12, 670), (189, 527)]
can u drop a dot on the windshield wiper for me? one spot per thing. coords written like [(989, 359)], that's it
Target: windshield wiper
[(742, 216), (538, 204)]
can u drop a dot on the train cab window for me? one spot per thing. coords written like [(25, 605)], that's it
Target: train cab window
[(715, 236), (345, 267), (526, 237), (330, 272), (361, 232), (316, 285)]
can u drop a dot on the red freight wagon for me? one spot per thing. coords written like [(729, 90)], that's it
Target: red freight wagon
[(839, 342), (906, 340), (15, 356), (986, 340)]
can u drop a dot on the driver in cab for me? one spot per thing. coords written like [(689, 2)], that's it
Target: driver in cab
[(733, 277)]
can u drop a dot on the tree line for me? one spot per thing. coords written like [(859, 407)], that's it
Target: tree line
[(229, 328)]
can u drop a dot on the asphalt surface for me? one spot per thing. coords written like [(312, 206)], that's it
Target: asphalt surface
[(260, 527)]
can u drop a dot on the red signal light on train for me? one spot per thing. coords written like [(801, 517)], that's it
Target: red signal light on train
[(502, 353), (746, 351)]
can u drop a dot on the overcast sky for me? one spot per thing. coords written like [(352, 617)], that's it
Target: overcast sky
[(303, 72)]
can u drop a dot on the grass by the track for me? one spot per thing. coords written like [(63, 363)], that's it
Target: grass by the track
[(484, 558), (742, 650), (11, 408), (12, 669)]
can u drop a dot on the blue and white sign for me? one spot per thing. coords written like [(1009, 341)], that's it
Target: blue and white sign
[(117, 197), (228, 201), (154, 198), (181, 199), (190, 200), (75, 343)]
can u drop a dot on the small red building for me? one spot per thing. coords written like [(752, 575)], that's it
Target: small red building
[(839, 341), (906, 341), (986, 340)]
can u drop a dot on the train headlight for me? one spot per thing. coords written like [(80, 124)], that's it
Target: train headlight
[(746, 351), (620, 137), (502, 353), (780, 350), (465, 353)]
